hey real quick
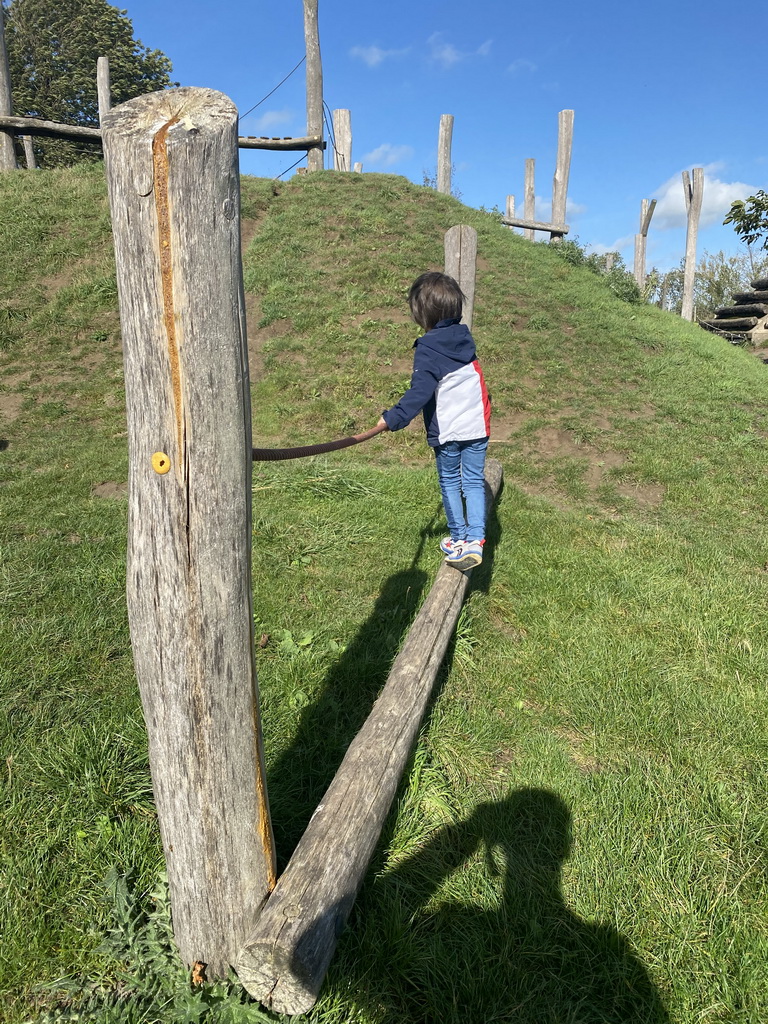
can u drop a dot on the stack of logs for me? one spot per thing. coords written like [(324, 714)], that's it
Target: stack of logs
[(747, 319)]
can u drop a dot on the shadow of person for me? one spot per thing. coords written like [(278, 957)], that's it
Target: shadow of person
[(515, 952)]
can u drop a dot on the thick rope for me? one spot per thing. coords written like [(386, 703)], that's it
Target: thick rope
[(279, 454)]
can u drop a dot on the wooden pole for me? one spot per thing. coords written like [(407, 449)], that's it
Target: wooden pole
[(342, 133), (529, 207), (7, 143), (314, 83), (284, 961), (358, 168), (173, 182), (29, 152), (562, 170), (694, 194), (103, 86), (509, 209), (646, 212), (461, 264), (444, 154)]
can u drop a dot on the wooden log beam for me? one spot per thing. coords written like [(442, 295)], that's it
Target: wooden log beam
[(174, 190), (732, 325), (308, 142), (50, 129), (535, 225), (743, 297), (761, 285), (284, 961), (757, 309)]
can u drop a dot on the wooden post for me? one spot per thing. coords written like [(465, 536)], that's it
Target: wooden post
[(173, 182), (610, 259), (314, 84), (444, 154), (509, 210), (562, 170), (342, 133), (693, 196), (103, 86), (358, 168), (646, 212), (7, 143), (461, 264), (529, 208), (284, 961), (29, 152)]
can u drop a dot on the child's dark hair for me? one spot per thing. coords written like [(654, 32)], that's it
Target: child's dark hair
[(434, 297)]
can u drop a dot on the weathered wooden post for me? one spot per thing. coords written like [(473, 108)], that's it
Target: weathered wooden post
[(529, 207), (284, 961), (173, 181), (562, 170), (694, 194), (461, 264), (103, 86), (358, 168), (646, 212), (29, 152), (342, 133), (314, 84), (444, 154), (7, 144), (509, 209)]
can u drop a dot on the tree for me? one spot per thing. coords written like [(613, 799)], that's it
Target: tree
[(750, 218), (53, 46)]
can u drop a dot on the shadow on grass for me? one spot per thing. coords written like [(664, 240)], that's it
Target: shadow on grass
[(297, 781), (527, 959)]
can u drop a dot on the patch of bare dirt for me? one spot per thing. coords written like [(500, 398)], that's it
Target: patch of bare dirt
[(575, 741), (110, 489)]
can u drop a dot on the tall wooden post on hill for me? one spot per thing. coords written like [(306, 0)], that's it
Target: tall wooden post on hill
[(342, 135), (314, 84), (7, 145), (529, 203), (444, 154), (174, 190), (694, 193), (641, 239), (562, 170)]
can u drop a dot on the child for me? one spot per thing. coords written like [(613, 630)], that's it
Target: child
[(447, 384)]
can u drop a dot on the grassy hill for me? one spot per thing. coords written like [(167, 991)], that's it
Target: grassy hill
[(581, 835)]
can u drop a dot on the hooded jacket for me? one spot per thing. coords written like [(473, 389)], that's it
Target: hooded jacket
[(448, 385)]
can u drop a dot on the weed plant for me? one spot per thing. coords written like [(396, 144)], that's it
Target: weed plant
[(581, 832)]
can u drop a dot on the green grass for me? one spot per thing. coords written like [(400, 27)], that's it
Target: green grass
[(581, 833)]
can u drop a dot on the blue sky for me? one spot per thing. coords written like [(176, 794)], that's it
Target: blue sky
[(656, 89)]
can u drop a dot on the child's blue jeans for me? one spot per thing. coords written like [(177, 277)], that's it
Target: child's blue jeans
[(461, 471)]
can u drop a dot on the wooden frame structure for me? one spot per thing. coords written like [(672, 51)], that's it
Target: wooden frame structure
[(557, 228)]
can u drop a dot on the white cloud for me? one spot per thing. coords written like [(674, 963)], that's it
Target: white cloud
[(718, 195), (387, 155), (447, 55), (374, 55), (270, 119), (521, 66)]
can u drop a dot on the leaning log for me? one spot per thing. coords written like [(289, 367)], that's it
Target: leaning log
[(746, 309), (732, 325), (50, 129), (535, 225), (174, 190), (285, 960)]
